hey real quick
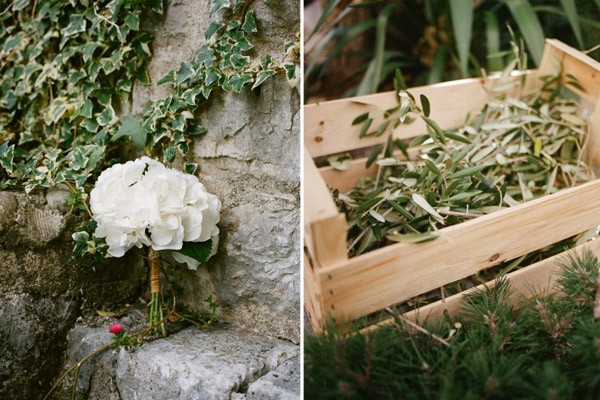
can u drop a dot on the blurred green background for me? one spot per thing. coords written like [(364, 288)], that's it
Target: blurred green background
[(353, 47)]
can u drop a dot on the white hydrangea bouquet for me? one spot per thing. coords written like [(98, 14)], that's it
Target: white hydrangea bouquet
[(143, 203)]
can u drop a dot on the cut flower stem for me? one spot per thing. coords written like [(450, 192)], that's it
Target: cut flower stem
[(156, 311)]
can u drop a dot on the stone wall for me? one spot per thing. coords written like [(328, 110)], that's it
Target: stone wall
[(43, 291), (250, 159)]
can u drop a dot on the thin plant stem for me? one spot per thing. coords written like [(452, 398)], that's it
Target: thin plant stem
[(417, 327)]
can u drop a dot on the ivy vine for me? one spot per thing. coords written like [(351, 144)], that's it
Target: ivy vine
[(67, 68)]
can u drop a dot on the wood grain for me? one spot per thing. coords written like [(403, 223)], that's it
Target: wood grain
[(536, 278), (396, 273)]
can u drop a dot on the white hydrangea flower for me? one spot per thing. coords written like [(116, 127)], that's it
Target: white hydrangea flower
[(142, 202)]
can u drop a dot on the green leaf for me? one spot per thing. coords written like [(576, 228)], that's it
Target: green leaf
[(107, 117), (571, 12), (239, 61), (464, 195), (529, 25), (196, 130), (190, 168), (78, 160), (213, 28), (57, 109), (365, 128), (131, 127), (7, 154), (424, 204), (133, 21), (373, 156), (432, 167), (185, 71), (19, 5), (292, 73), (199, 251), (262, 76), (179, 123), (492, 36), (88, 50), (411, 237), (457, 137), (218, 5), (399, 83), (462, 23), (360, 118), (169, 154), (381, 34), (249, 23), (439, 133), (205, 56), (467, 172), (81, 243), (91, 125), (237, 81), (76, 25), (168, 78), (329, 7), (425, 105)]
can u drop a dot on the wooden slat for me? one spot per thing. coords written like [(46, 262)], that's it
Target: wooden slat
[(318, 204), (328, 126), (396, 273), (535, 278), (575, 63), (346, 180), (324, 227), (593, 145), (312, 295)]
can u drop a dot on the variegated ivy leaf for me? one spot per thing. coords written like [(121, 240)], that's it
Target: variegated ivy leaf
[(249, 25), (237, 81), (185, 71), (19, 5), (262, 76), (292, 73), (77, 24), (213, 28), (239, 61), (107, 117), (218, 5), (7, 154), (57, 109)]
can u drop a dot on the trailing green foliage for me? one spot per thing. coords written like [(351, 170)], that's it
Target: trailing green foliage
[(547, 347), (224, 63), (69, 66)]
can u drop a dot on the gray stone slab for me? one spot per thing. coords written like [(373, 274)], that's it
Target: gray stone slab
[(210, 364), (282, 383)]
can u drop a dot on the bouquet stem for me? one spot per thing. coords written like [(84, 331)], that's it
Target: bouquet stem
[(156, 310)]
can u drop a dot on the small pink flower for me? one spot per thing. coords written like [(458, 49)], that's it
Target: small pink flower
[(115, 327)]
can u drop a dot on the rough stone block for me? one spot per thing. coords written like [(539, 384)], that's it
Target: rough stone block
[(282, 383), (219, 363), (43, 291)]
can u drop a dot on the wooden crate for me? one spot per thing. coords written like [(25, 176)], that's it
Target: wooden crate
[(344, 289)]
